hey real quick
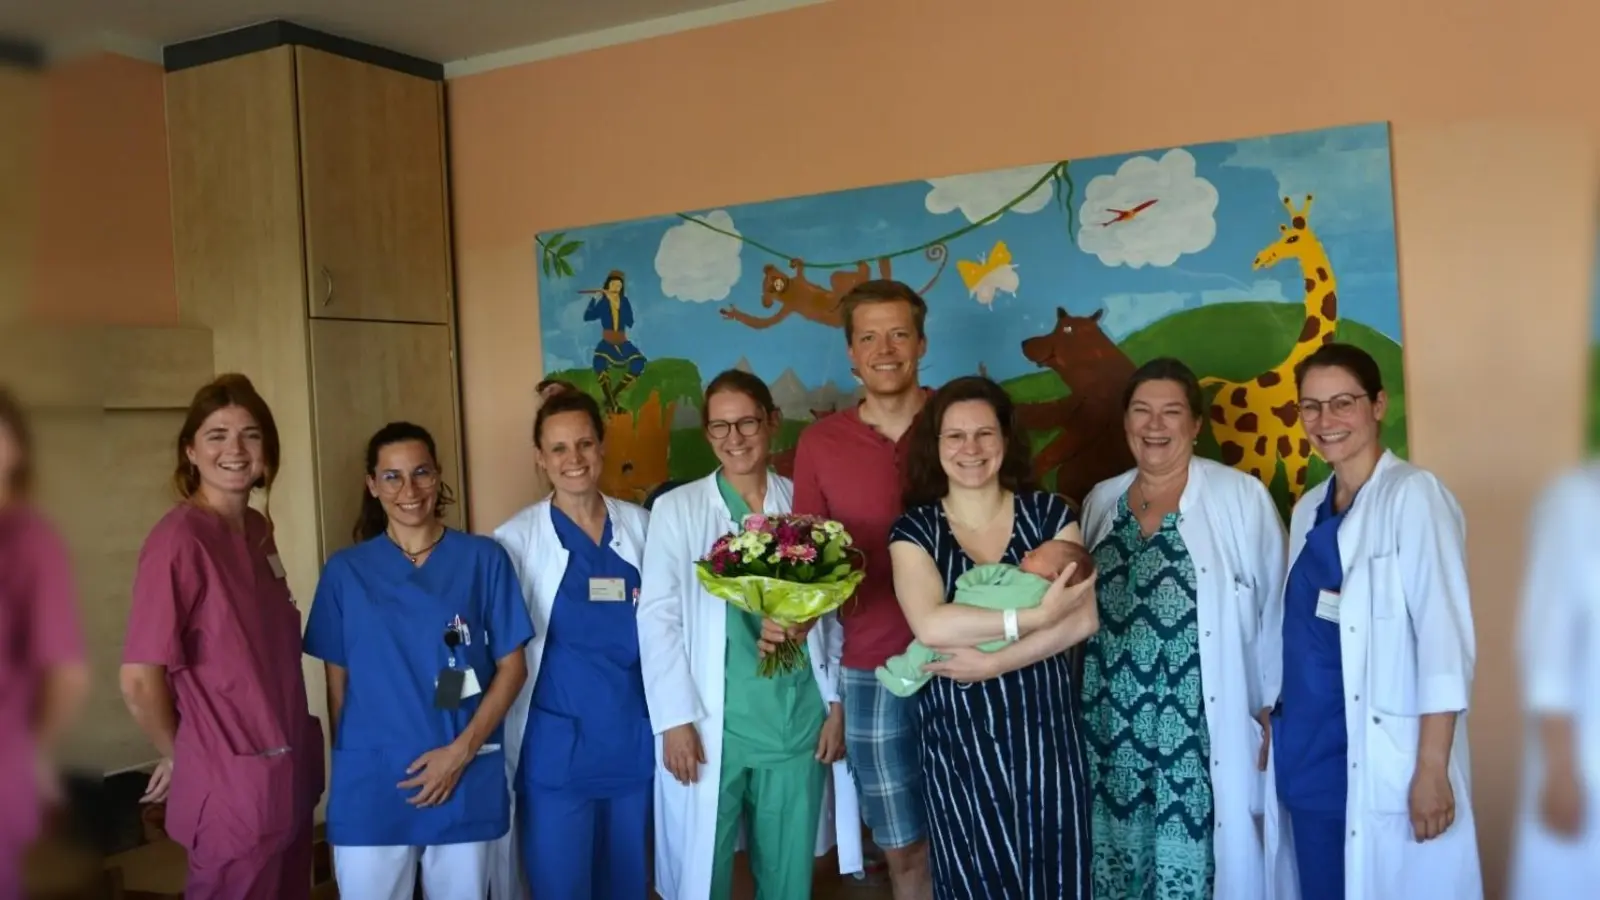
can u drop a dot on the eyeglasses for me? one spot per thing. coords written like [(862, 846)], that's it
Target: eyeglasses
[(1338, 404), (391, 482), (748, 426)]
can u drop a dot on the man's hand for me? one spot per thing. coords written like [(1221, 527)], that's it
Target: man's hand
[(830, 743), (682, 753)]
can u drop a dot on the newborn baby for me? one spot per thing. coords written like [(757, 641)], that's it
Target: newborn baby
[(996, 586)]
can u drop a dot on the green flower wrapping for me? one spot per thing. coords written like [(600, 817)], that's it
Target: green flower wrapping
[(790, 569)]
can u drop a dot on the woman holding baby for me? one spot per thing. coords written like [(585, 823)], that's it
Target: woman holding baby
[(1004, 768), (1188, 553)]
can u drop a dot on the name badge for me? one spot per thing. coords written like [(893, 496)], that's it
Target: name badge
[(1328, 606), (607, 590), (276, 565)]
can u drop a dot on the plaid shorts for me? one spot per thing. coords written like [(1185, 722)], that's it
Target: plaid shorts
[(883, 747)]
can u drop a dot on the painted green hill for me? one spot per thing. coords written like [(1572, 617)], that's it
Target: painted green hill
[(1594, 400), (1238, 341)]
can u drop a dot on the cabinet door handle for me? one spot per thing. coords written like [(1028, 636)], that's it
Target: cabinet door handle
[(327, 291)]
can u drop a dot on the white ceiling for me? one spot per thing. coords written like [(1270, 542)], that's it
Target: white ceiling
[(473, 34)]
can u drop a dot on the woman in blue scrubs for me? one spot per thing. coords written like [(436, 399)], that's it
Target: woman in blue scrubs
[(1308, 730), (586, 758), (422, 630)]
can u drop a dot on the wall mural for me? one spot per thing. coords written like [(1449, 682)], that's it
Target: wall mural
[(1057, 279)]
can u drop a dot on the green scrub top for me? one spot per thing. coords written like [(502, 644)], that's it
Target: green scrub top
[(766, 721)]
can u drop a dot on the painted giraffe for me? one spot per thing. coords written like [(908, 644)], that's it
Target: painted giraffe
[(1257, 422)]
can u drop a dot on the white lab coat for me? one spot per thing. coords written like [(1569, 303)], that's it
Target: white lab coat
[(1559, 655), (1236, 540), (682, 638), (1407, 648), (530, 539)]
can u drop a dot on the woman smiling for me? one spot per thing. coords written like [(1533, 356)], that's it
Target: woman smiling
[(1188, 555)]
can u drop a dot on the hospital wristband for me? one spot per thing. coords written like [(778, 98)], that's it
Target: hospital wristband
[(1011, 625)]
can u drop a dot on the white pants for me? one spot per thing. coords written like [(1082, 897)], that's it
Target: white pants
[(449, 872)]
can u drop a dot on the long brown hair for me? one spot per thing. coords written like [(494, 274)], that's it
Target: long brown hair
[(222, 392), (14, 418), (926, 481)]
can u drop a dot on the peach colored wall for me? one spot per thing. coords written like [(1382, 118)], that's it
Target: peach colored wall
[(1495, 224), (104, 245)]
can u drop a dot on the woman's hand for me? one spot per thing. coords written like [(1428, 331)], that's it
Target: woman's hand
[(682, 753), (1561, 801), (436, 773), (773, 634), (1433, 801), (1060, 600), (160, 783), (964, 664), (1265, 718), (830, 743)]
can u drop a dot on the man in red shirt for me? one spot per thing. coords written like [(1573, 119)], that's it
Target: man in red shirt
[(848, 467)]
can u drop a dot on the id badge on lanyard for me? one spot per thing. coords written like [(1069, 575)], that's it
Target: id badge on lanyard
[(457, 681)]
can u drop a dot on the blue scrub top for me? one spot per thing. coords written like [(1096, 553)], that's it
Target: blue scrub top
[(383, 620), (1308, 731), (589, 726)]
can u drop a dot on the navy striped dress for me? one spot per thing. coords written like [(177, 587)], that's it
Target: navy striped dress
[(1004, 770)]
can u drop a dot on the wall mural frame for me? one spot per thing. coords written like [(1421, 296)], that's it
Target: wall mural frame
[(1238, 257)]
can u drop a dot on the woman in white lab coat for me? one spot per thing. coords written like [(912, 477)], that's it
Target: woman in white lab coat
[(578, 743), (1189, 554), (738, 753), (1557, 843), (1369, 732)]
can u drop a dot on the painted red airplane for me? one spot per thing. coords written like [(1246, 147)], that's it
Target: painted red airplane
[(1126, 215)]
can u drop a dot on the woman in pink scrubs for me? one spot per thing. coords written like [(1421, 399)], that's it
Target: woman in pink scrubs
[(211, 667), (43, 679)]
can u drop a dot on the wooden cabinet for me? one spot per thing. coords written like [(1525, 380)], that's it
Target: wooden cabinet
[(365, 374), (371, 154), (311, 239)]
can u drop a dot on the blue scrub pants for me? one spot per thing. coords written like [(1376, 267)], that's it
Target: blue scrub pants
[(1319, 853), (576, 846)]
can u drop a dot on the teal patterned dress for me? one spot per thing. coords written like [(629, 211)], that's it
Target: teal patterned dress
[(1144, 716)]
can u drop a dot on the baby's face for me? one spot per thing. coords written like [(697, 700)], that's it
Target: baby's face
[(1047, 560)]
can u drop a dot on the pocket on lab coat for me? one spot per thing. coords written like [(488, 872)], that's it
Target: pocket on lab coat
[(1390, 760), (243, 812), (1392, 660), (547, 754)]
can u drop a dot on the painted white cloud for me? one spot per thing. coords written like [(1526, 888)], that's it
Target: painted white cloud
[(1345, 169), (980, 194), (1177, 214), (697, 264), (1265, 289), (1127, 313)]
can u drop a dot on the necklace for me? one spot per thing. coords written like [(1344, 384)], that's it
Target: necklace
[(410, 556)]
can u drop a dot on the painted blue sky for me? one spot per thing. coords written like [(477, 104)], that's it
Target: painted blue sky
[(680, 274)]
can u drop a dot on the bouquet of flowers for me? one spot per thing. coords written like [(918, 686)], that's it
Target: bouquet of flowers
[(791, 569)]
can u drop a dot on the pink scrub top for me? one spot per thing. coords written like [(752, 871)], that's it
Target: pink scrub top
[(213, 606), (38, 631)]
